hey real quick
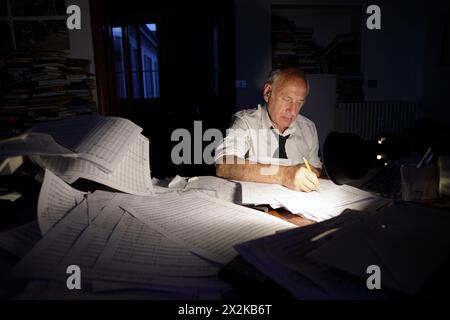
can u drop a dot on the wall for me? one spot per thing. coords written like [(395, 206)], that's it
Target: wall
[(253, 49), (394, 55), (320, 107)]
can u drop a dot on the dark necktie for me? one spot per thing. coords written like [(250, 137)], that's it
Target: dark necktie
[(281, 151)]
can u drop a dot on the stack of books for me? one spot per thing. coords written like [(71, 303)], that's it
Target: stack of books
[(41, 86), (81, 84)]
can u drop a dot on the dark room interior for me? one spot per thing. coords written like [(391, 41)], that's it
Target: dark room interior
[(156, 86)]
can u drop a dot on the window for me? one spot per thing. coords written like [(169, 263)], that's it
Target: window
[(119, 61), (140, 46)]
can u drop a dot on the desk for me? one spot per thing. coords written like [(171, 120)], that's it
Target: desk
[(254, 286), (289, 217)]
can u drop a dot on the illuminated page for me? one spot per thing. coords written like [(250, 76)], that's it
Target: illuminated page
[(33, 144), (135, 248), (132, 175), (56, 198), (205, 225), (103, 141), (268, 193), (90, 244), (41, 261), (319, 205), (263, 193), (98, 201)]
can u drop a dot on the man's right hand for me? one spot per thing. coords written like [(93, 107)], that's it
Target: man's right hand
[(301, 179)]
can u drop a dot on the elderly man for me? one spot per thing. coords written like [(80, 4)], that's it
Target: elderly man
[(273, 131)]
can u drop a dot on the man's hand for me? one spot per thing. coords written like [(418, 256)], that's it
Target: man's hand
[(301, 179)]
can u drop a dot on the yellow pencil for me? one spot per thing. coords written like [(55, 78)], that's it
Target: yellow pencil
[(309, 169), (307, 164)]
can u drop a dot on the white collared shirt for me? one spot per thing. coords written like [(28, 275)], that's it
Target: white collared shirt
[(251, 137)]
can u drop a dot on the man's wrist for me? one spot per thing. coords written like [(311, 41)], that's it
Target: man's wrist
[(288, 174)]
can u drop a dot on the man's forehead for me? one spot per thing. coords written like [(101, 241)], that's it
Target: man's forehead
[(290, 80), (295, 87)]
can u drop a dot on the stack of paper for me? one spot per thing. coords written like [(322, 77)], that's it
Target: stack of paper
[(108, 150), (216, 187), (408, 242), (329, 201), (173, 243)]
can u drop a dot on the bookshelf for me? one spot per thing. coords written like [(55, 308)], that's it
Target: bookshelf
[(294, 45), (39, 25)]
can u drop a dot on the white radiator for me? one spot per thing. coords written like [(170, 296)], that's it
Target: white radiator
[(370, 119)]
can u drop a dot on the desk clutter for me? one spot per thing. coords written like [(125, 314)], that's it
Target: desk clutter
[(170, 245), (409, 243), (108, 150), (169, 239)]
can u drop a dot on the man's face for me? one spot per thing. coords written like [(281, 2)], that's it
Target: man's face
[(285, 100)]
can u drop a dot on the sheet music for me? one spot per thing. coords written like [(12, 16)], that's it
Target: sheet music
[(102, 140), (322, 204), (132, 175), (20, 240), (135, 248), (56, 198), (130, 252), (267, 193), (221, 188), (98, 200), (263, 193), (207, 226), (33, 143), (42, 260), (90, 244)]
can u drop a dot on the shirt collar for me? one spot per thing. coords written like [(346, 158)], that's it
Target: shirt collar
[(267, 123)]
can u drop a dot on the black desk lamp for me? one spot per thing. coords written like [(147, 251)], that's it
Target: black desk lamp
[(347, 157)]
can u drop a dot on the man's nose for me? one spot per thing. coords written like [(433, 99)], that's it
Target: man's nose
[(291, 108)]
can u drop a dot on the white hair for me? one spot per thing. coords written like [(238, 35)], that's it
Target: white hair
[(276, 73)]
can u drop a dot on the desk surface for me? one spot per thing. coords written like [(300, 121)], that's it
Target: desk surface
[(289, 217)]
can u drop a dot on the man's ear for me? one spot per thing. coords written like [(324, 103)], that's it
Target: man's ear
[(267, 92)]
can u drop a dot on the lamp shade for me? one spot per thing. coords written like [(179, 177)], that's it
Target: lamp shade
[(346, 157)]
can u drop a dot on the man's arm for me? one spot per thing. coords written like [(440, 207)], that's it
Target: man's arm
[(294, 177)]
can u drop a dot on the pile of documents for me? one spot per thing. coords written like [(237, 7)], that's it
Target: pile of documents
[(108, 150), (169, 245), (409, 243), (329, 201)]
